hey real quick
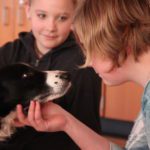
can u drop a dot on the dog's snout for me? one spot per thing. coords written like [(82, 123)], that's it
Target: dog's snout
[(65, 76)]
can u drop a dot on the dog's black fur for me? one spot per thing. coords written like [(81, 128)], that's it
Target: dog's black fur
[(20, 83)]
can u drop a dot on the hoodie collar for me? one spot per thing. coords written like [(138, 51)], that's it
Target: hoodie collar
[(28, 41)]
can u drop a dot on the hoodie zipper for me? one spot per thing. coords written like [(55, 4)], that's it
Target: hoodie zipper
[(37, 62)]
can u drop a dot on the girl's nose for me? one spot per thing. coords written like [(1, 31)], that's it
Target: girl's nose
[(52, 26)]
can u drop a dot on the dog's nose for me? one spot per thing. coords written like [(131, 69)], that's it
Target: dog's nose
[(65, 76)]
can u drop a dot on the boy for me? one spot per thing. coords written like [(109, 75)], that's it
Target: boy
[(117, 46), (51, 46)]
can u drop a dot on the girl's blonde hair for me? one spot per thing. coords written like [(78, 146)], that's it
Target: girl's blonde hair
[(75, 2), (113, 28)]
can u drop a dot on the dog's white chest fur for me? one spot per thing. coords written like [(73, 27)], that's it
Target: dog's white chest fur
[(7, 127)]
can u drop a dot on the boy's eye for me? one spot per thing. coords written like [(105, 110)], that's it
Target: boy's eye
[(41, 16)]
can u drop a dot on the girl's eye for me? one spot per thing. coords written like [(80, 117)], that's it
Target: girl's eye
[(41, 16), (62, 18)]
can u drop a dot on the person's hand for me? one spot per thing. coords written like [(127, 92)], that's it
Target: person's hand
[(45, 117)]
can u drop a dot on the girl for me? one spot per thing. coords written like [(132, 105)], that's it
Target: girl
[(51, 46)]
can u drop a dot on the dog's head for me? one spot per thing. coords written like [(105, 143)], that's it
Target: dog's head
[(20, 83)]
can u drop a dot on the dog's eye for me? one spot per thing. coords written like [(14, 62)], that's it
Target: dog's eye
[(24, 75), (27, 75)]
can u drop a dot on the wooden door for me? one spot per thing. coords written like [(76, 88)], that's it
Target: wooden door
[(122, 102), (6, 21), (21, 21)]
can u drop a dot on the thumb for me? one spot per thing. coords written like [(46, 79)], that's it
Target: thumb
[(17, 123)]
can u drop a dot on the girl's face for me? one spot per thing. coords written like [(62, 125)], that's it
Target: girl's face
[(103, 67), (51, 22)]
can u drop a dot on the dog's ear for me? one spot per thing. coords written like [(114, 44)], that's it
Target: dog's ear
[(2, 93), (3, 107)]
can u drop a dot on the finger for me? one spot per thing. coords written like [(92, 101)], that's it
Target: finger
[(38, 115), (17, 123), (38, 122), (31, 112), (20, 115)]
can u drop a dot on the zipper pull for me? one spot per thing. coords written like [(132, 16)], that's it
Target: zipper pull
[(37, 63)]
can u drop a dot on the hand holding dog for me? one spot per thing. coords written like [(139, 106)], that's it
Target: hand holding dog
[(43, 117), (50, 117)]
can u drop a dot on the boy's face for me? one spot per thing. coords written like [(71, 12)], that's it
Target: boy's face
[(110, 75), (51, 22)]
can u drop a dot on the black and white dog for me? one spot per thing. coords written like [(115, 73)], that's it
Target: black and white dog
[(20, 83)]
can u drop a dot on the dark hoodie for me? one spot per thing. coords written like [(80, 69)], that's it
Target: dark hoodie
[(82, 100)]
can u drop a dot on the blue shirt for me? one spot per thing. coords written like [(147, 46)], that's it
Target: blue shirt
[(139, 138)]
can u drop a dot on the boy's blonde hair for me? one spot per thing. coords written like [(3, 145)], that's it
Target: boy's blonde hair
[(113, 28)]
